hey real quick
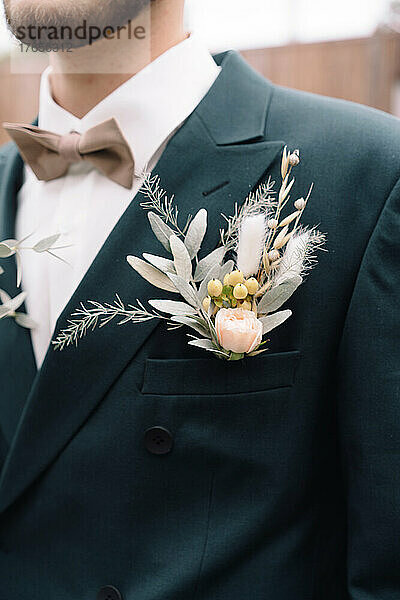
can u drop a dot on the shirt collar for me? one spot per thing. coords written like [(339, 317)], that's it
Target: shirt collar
[(150, 106)]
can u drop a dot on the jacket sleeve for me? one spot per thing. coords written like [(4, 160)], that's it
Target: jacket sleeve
[(369, 413)]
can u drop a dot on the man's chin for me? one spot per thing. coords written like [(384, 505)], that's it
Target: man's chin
[(55, 24)]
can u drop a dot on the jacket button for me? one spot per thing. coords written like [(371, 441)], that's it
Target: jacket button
[(109, 593), (158, 440)]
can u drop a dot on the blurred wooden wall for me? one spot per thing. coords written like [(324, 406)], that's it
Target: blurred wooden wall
[(363, 70)]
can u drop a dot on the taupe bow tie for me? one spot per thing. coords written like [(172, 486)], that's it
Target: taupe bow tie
[(49, 155)]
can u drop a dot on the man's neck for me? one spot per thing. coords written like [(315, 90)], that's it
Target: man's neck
[(83, 77)]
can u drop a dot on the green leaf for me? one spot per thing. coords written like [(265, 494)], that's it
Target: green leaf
[(193, 324), (182, 262), (185, 289), (46, 243), (4, 297), (226, 268), (274, 320), (202, 343), (5, 250), (214, 258), (151, 274), (273, 299), (172, 307), (163, 264), (25, 320), (4, 311), (160, 230), (236, 356), (212, 274), (16, 302), (196, 232)]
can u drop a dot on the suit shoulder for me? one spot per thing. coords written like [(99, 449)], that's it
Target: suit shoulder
[(337, 123)]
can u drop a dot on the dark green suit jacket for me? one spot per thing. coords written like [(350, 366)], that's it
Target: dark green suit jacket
[(283, 477)]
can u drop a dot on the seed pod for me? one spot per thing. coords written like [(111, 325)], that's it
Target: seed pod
[(287, 238), (279, 238), (300, 204), (246, 305), (294, 158), (272, 223), (289, 219), (276, 263), (214, 287), (252, 285), (240, 291), (235, 277), (285, 162), (273, 255), (206, 303), (284, 191)]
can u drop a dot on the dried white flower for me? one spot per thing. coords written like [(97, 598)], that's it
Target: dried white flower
[(250, 247)]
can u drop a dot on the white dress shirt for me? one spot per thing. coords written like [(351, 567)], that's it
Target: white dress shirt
[(84, 206)]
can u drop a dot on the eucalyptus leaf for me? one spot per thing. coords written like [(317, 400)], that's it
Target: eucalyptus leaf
[(274, 320), (196, 232), (236, 355), (185, 289), (182, 262), (151, 274), (208, 345), (19, 268), (16, 302), (25, 320), (172, 307), (213, 273), (4, 311), (160, 229), (257, 352), (202, 343), (273, 299), (46, 243), (205, 264), (4, 297), (5, 250), (163, 264), (184, 320), (226, 268)]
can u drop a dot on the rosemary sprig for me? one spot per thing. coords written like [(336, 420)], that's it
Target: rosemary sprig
[(158, 201), (87, 319)]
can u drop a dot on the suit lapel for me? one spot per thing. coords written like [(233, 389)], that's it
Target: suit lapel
[(17, 363), (219, 170)]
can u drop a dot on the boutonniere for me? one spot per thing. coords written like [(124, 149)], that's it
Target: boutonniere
[(230, 298)]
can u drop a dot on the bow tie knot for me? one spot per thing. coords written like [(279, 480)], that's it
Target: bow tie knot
[(68, 147), (50, 155)]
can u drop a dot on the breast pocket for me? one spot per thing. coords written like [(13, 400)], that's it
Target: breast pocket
[(234, 413), (211, 377)]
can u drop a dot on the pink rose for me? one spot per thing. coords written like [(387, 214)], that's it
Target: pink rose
[(238, 329)]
